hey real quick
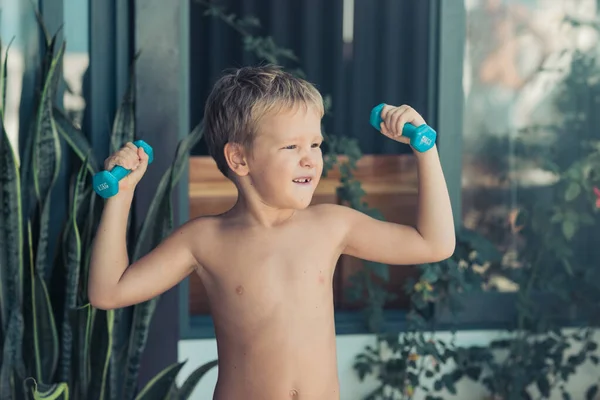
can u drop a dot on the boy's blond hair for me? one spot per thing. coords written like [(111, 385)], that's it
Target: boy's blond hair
[(241, 97)]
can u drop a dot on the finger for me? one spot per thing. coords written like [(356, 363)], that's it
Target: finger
[(142, 155), (132, 156), (130, 145), (393, 119), (383, 129), (385, 111), (404, 117)]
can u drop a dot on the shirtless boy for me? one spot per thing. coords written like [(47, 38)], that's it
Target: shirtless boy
[(268, 263)]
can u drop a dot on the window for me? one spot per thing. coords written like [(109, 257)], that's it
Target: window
[(532, 95), (359, 67)]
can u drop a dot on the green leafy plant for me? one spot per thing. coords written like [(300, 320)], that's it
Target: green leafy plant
[(552, 266), (54, 344)]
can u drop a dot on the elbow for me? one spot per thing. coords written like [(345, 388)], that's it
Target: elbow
[(447, 251), (101, 301), (443, 251)]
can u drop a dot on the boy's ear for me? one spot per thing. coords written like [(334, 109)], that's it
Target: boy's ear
[(236, 158)]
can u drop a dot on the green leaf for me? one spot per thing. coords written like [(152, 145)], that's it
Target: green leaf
[(3, 78), (75, 138), (12, 369), (185, 392), (568, 228), (72, 244), (473, 373), (124, 123), (591, 393), (82, 373), (586, 219), (45, 335), (101, 356), (57, 391), (160, 386), (11, 232), (544, 386), (380, 270), (573, 191), (46, 161)]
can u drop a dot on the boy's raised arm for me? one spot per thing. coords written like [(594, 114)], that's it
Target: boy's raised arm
[(113, 283), (433, 239)]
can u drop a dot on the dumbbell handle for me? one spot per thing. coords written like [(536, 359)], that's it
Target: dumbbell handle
[(119, 172), (106, 183), (422, 138)]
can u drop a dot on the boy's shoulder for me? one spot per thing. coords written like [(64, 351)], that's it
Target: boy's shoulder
[(331, 210), (333, 214)]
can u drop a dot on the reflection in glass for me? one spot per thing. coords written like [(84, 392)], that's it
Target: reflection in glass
[(531, 81)]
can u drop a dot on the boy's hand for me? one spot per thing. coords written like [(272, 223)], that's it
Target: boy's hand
[(394, 119), (132, 158)]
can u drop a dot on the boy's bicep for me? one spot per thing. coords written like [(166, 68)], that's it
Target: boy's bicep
[(158, 271), (385, 242)]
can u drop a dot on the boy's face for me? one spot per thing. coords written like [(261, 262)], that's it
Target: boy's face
[(286, 162)]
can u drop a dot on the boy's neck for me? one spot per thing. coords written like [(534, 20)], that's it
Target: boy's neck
[(254, 212)]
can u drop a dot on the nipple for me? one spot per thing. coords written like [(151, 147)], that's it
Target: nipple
[(293, 393), (239, 289)]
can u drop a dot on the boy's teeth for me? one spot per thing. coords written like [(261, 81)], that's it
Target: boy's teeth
[(301, 180)]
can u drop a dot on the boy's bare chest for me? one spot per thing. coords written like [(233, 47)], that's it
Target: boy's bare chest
[(288, 260)]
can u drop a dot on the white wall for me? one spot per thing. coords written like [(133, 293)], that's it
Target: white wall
[(198, 352)]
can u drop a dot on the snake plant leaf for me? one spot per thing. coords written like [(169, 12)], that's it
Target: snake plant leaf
[(11, 224), (75, 138), (185, 392), (42, 26), (160, 386), (3, 78), (46, 162), (81, 367), (56, 391), (101, 354), (72, 251), (90, 225), (11, 232), (43, 327), (123, 130), (12, 369)]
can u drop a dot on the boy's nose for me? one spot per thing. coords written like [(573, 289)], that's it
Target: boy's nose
[(307, 162)]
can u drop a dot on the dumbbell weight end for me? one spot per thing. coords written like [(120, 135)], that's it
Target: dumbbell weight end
[(422, 138), (106, 183)]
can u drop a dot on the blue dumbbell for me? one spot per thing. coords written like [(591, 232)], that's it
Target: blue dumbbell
[(422, 138), (106, 183)]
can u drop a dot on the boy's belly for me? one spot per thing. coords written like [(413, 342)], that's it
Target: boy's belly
[(287, 352), (279, 374), (312, 381)]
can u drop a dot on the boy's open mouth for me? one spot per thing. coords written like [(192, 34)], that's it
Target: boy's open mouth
[(303, 181)]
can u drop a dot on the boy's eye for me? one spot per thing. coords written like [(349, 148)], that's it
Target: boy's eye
[(316, 145), (290, 147)]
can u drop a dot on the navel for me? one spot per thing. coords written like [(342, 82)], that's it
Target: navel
[(293, 393), (239, 289)]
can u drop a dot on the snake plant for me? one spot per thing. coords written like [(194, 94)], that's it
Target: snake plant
[(53, 343)]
